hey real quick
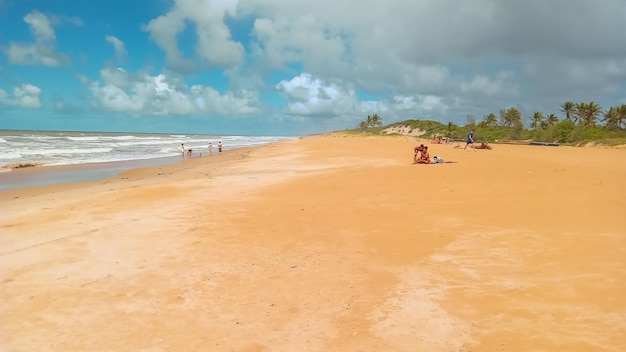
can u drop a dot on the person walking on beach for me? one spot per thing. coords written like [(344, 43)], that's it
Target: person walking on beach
[(219, 147), (470, 140), (210, 148), (183, 149), (189, 151)]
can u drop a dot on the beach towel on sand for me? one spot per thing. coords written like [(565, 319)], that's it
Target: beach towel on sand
[(438, 160)]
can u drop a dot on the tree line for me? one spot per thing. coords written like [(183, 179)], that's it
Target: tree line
[(582, 121), (583, 114)]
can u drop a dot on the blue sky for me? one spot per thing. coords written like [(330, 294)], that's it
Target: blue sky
[(300, 66)]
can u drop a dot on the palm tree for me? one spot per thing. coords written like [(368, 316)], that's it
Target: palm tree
[(568, 108), (513, 117), (537, 120), (611, 119), (375, 120), (503, 119), (552, 120), (621, 115), (363, 125), (576, 115), (615, 116), (491, 120), (588, 113)]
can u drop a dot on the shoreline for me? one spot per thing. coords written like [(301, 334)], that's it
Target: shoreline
[(45, 175), (57, 152)]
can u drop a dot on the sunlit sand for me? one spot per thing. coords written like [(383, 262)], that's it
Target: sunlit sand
[(327, 243)]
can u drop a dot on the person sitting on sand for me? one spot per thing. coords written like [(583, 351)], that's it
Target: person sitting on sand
[(424, 156), (417, 149)]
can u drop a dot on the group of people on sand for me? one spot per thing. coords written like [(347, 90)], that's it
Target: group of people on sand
[(422, 156), (189, 151), (437, 139)]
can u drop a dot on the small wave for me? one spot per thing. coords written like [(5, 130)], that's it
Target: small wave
[(100, 138), (64, 151), (9, 155), (3, 141), (140, 142), (72, 148)]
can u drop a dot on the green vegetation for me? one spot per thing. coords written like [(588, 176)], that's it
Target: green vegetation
[(371, 122), (584, 123)]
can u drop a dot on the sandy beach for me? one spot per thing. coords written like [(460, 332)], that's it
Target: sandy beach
[(326, 243)]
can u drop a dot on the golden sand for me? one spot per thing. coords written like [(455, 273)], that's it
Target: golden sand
[(327, 243)]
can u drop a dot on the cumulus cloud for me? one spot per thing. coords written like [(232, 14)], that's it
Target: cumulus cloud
[(440, 59), (484, 49), (313, 97), (309, 96), (24, 96), (43, 50), (165, 94), (503, 84), (118, 45), (213, 46)]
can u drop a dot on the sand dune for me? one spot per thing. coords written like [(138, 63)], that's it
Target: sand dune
[(327, 243)]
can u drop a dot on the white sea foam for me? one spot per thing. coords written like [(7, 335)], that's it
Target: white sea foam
[(100, 138), (61, 148)]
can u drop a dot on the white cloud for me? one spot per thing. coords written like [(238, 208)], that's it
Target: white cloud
[(42, 51), (165, 94), (214, 45), (439, 59), (118, 45), (480, 85), (312, 97), (283, 40), (309, 96), (480, 49), (24, 96)]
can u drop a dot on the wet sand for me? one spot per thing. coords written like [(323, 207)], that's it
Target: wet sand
[(34, 176), (327, 243)]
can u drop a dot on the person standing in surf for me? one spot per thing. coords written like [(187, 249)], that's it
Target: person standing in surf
[(219, 147)]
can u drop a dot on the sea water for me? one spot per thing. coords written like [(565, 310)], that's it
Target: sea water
[(102, 155), (66, 148)]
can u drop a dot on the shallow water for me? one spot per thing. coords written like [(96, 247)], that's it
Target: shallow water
[(50, 175)]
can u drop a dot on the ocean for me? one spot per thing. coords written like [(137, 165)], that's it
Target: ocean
[(112, 152), (66, 148)]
